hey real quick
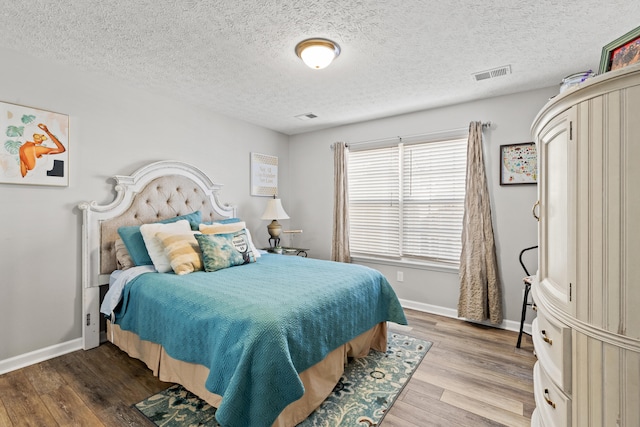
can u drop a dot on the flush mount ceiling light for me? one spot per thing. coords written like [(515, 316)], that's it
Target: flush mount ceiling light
[(317, 53)]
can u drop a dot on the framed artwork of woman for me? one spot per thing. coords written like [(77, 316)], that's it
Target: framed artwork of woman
[(35, 146)]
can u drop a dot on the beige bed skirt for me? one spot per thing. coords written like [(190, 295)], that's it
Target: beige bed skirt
[(318, 380)]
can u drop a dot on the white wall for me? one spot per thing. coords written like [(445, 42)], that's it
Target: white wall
[(114, 129), (511, 116)]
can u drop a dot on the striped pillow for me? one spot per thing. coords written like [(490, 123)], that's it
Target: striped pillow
[(182, 250), (122, 255)]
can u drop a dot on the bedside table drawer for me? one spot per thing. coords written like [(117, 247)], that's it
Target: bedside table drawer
[(552, 405), (552, 342)]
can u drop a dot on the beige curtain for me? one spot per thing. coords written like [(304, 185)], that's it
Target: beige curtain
[(340, 239), (480, 293)]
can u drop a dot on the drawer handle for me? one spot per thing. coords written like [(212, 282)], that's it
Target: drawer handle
[(533, 210), (545, 337), (549, 401)]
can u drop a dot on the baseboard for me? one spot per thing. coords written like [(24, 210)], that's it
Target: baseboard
[(47, 353), (38, 356), (509, 325)]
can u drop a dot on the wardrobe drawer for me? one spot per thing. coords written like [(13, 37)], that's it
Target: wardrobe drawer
[(535, 419), (552, 342), (552, 405)]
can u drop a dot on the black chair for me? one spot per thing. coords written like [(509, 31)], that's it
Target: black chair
[(527, 289)]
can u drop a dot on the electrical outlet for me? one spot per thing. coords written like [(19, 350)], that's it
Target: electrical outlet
[(400, 276)]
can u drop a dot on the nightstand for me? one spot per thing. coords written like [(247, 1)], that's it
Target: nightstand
[(288, 251)]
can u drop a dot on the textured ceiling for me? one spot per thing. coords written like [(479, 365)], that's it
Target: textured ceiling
[(237, 57)]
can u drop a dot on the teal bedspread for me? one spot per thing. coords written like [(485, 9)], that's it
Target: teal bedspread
[(258, 325)]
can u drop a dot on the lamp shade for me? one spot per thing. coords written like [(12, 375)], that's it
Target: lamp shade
[(274, 210), (317, 53)]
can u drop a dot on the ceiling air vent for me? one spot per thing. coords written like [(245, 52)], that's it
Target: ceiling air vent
[(496, 72), (307, 116)]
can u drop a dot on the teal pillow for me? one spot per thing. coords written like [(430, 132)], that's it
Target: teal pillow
[(224, 250), (228, 220), (223, 221), (132, 238)]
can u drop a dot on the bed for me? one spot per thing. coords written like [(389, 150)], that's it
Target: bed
[(264, 339)]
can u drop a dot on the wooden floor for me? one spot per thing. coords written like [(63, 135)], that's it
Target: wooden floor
[(472, 376)]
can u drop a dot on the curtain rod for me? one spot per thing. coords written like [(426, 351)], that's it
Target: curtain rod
[(421, 135)]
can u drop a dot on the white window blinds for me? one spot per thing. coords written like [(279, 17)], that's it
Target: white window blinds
[(374, 202), (408, 200)]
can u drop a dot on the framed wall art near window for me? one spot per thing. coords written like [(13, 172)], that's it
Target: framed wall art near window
[(34, 148), (621, 52), (518, 164), (264, 175)]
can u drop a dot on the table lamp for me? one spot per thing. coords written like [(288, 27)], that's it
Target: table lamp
[(274, 211)]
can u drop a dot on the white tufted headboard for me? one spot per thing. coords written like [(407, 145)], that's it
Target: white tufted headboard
[(157, 191)]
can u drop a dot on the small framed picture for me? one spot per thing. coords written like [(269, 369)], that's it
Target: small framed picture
[(518, 164), (621, 52), (264, 175)]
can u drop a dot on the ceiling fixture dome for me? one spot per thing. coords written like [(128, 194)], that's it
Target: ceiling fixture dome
[(317, 53)]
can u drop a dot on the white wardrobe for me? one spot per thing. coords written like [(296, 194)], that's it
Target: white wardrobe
[(587, 293)]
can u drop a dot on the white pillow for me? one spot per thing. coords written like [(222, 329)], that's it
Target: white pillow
[(256, 252), (160, 260), (231, 227)]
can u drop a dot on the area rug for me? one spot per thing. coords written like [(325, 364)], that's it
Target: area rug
[(364, 394)]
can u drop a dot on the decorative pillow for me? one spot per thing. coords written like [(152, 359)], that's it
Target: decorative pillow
[(122, 255), (135, 243), (222, 228), (232, 227), (223, 221), (224, 250), (183, 251), (155, 248)]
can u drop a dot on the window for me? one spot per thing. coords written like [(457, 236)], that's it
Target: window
[(407, 200)]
